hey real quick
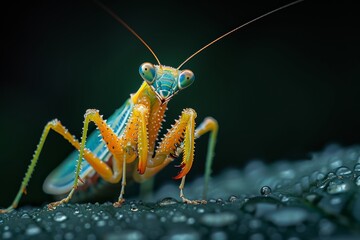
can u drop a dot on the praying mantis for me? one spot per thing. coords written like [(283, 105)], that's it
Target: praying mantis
[(128, 139)]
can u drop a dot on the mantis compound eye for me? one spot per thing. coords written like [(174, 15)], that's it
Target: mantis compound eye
[(147, 72), (186, 78)]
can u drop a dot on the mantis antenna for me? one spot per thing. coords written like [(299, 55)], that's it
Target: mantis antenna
[(122, 22), (237, 28)]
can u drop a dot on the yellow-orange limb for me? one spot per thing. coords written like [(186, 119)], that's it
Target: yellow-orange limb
[(108, 174), (121, 199), (56, 126), (181, 133), (186, 200), (122, 148), (208, 125), (169, 150)]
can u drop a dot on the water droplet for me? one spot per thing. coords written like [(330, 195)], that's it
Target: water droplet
[(126, 235), (95, 217), (151, 216), (326, 227), (284, 198), (265, 190), (134, 208), (119, 215), (261, 205), (32, 230), (58, 236), (87, 225), (312, 197), (190, 220), (288, 216), (218, 235), (91, 236), (287, 174), (232, 199), (218, 219), (78, 228), (352, 155), (242, 228), (337, 186), (275, 236), (200, 210), (357, 168), (254, 224), (256, 236), (335, 201), (320, 176), (305, 182), (335, 163), (357, 181), (179, 217), (168, 201), (6, 235), (69, 236), (343, 172), (60, 217), (333, 204), (101, 223), (25, 215), (297, 188)]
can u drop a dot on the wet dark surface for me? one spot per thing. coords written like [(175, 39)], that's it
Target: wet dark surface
[(318, 198)]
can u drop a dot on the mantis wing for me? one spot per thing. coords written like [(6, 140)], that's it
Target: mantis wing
[(61, 179)]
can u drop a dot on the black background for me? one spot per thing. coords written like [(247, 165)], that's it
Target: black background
[(280, 88)]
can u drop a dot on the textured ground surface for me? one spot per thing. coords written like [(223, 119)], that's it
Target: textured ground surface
[(318, 198)]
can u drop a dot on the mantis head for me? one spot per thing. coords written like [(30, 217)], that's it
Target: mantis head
[(165, 81)]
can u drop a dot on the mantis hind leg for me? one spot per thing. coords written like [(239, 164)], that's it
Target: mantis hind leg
[(56, 126), (208, 125), (51, 125), (100, 167)]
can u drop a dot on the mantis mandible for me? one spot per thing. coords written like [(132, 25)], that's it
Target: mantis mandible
[(127, 141)]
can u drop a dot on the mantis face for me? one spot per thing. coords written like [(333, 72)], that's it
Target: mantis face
[(165, 81)]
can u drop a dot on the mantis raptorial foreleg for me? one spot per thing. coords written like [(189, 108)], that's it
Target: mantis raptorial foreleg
[(182, 134)]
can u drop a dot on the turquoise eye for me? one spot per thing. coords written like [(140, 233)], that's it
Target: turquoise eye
[(147, 72), (186, 78)]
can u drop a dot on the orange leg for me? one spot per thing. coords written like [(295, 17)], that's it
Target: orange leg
[(102, 168), (180, 140), (133, 143)]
